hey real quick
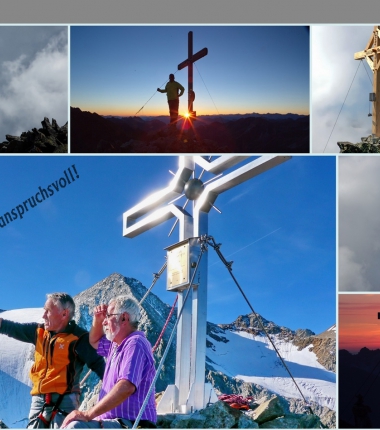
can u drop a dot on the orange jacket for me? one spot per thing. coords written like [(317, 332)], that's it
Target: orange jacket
[(59, 357), (55, 368)]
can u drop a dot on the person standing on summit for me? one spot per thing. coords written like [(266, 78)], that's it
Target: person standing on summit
[(174, 91)]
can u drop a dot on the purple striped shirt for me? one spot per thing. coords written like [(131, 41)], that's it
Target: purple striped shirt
[(131, 360)]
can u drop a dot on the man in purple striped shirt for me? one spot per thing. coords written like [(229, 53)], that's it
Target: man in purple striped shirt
[(129, 369)]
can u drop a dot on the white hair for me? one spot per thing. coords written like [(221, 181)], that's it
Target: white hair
[(129, 305)]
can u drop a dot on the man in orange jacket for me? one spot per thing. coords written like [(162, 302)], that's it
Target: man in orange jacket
[(61, 350), (174, 91)]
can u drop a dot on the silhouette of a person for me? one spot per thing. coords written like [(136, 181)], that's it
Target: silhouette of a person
[(174, 91), (361, 414)]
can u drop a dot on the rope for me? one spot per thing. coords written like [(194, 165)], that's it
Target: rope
[(228, 265), (342, 105), (166, 324)]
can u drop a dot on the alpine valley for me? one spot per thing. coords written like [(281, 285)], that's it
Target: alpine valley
[(239, 360)]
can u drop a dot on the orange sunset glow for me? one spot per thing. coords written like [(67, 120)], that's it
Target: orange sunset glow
[(359, 325)]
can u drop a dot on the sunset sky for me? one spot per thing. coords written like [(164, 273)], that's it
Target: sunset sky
[(358, 323), (116, 70)]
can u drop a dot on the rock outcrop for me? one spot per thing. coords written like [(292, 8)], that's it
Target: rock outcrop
[(272, 412), (51, 138), (368, 144), (323, 345)]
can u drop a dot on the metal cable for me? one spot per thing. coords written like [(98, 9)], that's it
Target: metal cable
[(342, 106), (207, 90), (152, 96), (151, 388), (156, 278), (229, 268)]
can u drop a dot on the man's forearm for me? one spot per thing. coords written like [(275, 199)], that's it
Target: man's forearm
[(96, 333), (120, 392)]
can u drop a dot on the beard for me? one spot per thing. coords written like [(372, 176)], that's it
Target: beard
[(111, 335)]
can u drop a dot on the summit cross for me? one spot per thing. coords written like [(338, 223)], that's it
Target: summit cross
[(191, 59), (372, 55)]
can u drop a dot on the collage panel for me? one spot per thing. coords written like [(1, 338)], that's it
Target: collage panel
[(63, 222), (34, 89), (345, 61), (359, 358), (190, 89)]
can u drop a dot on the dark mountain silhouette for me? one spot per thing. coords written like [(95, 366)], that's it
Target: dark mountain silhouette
[(269, 133), (359, 375)]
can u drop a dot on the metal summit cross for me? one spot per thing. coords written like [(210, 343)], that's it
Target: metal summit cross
[(190, 392), (191, 59), (372, 55)]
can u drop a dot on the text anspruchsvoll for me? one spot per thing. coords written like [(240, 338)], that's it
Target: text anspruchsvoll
[(70, 175)]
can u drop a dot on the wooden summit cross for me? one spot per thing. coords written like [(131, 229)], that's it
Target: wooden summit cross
[(191, 58), (372, 55)]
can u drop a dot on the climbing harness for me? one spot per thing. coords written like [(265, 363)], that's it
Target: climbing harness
[(45, 417)]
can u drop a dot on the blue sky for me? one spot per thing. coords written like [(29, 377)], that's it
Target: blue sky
[(116, 70), (279, 228)]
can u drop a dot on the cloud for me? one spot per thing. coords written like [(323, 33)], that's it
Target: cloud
[(34, 88), (359, 227), (333, 84)]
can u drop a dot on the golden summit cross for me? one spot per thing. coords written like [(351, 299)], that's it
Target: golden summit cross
[(371, 54)]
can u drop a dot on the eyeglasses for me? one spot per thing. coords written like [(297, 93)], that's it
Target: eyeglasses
[(110, 315)]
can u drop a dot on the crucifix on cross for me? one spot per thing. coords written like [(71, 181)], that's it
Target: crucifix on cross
[(372, 55), (191, 59)]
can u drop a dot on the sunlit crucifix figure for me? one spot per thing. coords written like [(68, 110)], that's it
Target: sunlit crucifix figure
[(372, 55), (191, 59)]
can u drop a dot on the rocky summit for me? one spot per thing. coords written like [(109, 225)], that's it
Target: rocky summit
[(51, 138)]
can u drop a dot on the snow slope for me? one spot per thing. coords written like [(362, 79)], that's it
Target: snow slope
[(253, 359), (16, 358)]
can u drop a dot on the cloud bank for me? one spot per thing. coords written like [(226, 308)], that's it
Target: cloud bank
[(35, 84), (359, 226)]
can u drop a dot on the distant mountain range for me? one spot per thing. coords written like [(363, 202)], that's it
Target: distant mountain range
[(239, 357), (208, 119), (234, 133)]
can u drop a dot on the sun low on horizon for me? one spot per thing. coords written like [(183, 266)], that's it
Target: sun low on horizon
[(115, 71), (359, 325), (119, 111)]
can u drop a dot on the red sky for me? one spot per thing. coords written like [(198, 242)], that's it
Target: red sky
[(358, 323)]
